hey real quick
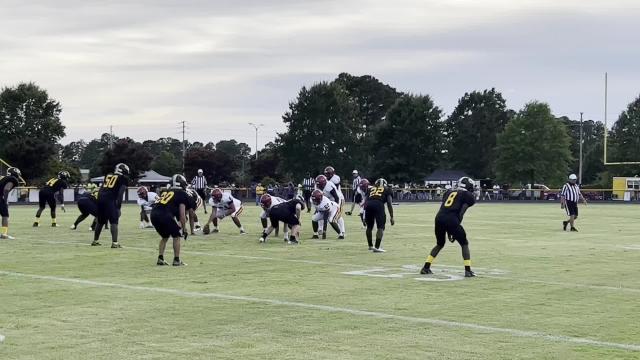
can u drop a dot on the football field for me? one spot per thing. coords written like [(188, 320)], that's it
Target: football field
[(540, 293)]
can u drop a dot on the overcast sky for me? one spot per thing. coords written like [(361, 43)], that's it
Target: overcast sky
[(144, 66)]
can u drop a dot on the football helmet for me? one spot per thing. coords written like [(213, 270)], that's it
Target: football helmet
[(178, 181), (265, 201), (142, 192), (466, 183), (321, 180), (316, 196), (300, 200), (121, 169), (364, 185), (64, 175), (14, 171), (329, 171), (216, 194), (381, 183)]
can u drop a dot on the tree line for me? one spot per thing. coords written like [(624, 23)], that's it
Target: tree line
[(352, 122)]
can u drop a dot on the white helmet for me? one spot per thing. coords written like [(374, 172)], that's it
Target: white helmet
[(466, 183), (121, 169), (178, 181)]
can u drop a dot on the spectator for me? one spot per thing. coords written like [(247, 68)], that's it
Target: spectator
[(259, 193)]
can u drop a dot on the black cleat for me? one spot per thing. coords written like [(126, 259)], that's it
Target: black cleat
[(36, 224), (54, 225), (315, 237), (426, 271), (564, 225), (293, 242), (161, 262), (178, 263), (574, 229), (96, 243), (206, 230), (469, 273), (341, 237), (215, 231), (115, 245), (348, 213), (451, 239)]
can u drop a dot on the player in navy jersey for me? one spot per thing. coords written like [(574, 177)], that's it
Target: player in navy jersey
[(169, 217), (454, 205), (376, 198), (88, 205), (7, 183), (109, 203), (288, 213), (47, 196)]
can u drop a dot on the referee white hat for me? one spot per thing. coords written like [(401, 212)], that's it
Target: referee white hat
[(573, 177)]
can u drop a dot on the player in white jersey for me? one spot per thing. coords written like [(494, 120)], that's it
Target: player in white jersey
[(327, 212), (146, 198), (330, 190), (224, 204), (267, 202), (331, 175), (363, 190)]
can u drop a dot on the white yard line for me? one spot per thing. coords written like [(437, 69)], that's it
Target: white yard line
[(334, 309), (1, 338), (361, 266)]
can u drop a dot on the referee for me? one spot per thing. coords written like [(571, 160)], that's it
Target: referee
[(308, 184), (199, 183), (569, 197), (356, 197)]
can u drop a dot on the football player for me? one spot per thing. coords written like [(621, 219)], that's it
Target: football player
[(362, 190), (223, 205), (455, 203), (7, 183), (376, 198), (195, 202), (88, 205), (168, 216), (109, 203), (146, 198), (331, 175), (327, 212), (267, 202), (330, 190), (47, 196), (287, 212)]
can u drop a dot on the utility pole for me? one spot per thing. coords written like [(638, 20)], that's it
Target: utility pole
[(184, 146), (110, 137), (256, 126), (580, 163)]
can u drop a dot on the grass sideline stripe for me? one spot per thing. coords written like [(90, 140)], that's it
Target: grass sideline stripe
[(334, 309), (315, 262)]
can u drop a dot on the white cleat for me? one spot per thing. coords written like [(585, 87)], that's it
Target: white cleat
[(262, 240), (7, 237), (378, 250)]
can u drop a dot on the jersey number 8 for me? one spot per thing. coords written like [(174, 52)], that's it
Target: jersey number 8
[(451, 199)]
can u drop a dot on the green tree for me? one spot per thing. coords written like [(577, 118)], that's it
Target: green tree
[(129, 152), (217, 166), (624, 141), (167, 164), (472, 129), (30, 127), (409, 142), (72, 152), (268, 163), (321, 128), (592, 148), (534, 147), (93, 154)]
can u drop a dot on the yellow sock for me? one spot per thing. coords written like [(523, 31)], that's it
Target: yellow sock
[(4, 230), (467, 263), (430, 259)]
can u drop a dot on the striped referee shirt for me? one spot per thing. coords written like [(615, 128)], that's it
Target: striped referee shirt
[(199, 182), (309, 183), (570, 192), (356, 182)]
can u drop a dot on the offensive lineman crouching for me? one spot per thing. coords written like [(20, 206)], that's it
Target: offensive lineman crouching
[(448, 220), (327, 212), (171, 207), (223, 205), (289, 213)]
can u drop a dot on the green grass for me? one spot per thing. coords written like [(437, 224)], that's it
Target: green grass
[(532, 277)]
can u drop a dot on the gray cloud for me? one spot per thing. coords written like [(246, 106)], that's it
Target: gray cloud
[(143, 66)]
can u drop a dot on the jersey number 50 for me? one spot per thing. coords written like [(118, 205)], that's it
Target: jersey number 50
[(110, 181)]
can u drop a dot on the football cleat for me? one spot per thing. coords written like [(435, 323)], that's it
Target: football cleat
[(73, 227), (242, 232), (451, 239), (206, 230), (574, 229), (96, 243), (115, 245), (6, 237), (426, 271), (341, 237), (262, 240), (378, 250), (215, 230), (54, 225), (371, 248), (564, 225), (178, 263), (293, 242), (315, 236), (469, 273), (161, 262), (348, 213), (36, 224)]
